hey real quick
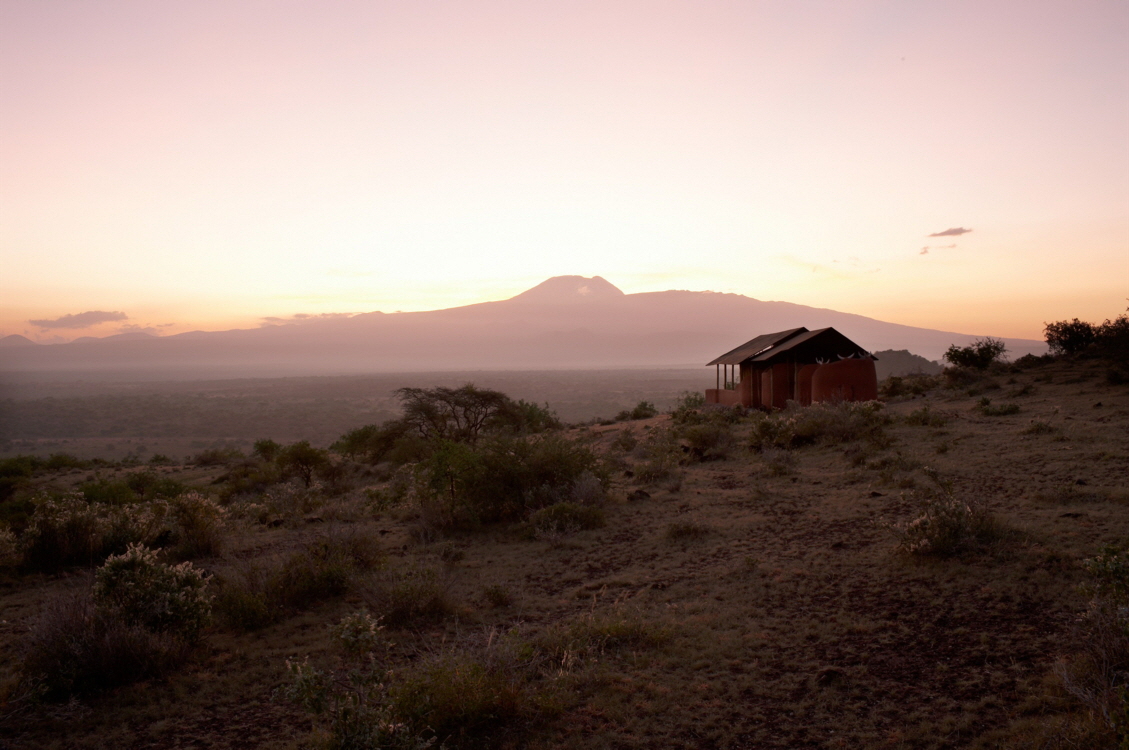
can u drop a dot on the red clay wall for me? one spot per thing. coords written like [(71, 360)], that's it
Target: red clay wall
[(845, 380), (803, 384), (723, 397)]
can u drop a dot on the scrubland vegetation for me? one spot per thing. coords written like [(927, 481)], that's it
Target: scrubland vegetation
[(946, 567)]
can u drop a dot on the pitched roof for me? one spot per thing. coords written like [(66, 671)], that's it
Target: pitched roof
[(798, 343), (750, 349)]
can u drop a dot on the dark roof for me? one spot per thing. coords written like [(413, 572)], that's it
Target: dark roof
[(797, 344), (752, 348)]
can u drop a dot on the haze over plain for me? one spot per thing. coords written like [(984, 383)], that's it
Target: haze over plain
[(167, 167)]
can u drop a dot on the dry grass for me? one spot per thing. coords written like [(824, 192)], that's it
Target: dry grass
[(793, 622)]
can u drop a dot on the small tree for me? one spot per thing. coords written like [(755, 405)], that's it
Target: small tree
[(977, 356), (1069, 336), (458, 414), (303, 459), (266, 449)]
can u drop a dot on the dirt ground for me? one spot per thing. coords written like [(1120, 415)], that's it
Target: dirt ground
[(791, 620)]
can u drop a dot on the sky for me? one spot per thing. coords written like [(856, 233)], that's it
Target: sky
[(170, 166)]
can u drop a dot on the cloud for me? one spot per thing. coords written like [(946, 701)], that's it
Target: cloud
[(131, 328), (953, 232), (925, 250), (81, 320), (301, 318)]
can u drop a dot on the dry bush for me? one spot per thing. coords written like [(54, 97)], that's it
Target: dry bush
[(709, 442), (198, 524), (778, 462), (985, 407), (662, 457), (69, 530), (75, 648), (141, 619), (252, 596), (408, 597), (841, 422), (947, 526), (914, 384), (1098, 672), (684, 531), (565, 518), (926, 417)]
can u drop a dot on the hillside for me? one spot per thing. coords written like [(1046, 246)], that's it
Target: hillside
[(565, 322), (738, 597)]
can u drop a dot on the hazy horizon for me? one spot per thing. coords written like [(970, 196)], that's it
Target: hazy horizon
[(168, 167)]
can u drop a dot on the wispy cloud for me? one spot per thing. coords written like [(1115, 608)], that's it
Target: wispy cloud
[(952, 232), (925, 250), (81, 320), (301, 318)]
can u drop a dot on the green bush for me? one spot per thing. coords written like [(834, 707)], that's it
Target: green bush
[(916, 384), (641, 410), (198, 523), (504, 479), (709, 442), (831, 423), (1069, 337), (62, 532), (161, 598)]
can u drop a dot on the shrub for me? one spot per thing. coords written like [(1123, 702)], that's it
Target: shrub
[(266, 449), (566, 518), (1098, 673), (1069, 337), (63, 531), (834, 423), (161, 598), (253, 596), (642, 410), (662, 455), (1038, 427), (198, 523), (926, 417), (977, 356), (947, 526), (685, 531), (217, 457), (984, 406), (462, 486), (709, 442), (409, 597), (74, 647), (625, 440), (498, 596), (916, 384)]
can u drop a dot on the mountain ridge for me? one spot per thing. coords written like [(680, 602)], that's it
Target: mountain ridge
[(565, 322)]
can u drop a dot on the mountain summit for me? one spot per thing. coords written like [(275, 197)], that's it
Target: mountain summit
[(563, 290)]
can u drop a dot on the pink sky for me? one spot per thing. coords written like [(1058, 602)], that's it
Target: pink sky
[(208, 164)]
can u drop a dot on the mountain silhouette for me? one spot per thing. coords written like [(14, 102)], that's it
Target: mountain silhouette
[(564, 322)]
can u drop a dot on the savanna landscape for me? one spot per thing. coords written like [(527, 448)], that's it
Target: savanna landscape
[(945, 567)]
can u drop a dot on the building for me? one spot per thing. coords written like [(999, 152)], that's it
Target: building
[(795, 365)]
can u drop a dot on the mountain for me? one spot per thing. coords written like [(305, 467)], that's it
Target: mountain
[(564, 322), (16, 340)]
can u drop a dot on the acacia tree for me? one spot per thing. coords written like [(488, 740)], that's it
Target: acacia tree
[(457, 414), (1069, 336), (303, 459)]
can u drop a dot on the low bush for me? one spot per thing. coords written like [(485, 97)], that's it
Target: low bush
[(407, 598), (141, 619), (641, 410), (161, 598), (916, 384), (1039, 427), (198, 524), (835, 423), (947, 526), (218, 457), (1097, 674), (683, 531), (75, 648), (926, 417), (662, 457), (504, 479), (985, 407), (253, 596), (709, 442), (566, 518)]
